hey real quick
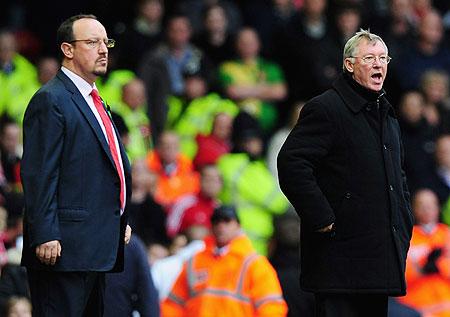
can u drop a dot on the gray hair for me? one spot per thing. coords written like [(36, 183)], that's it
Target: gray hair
[(350, 48)]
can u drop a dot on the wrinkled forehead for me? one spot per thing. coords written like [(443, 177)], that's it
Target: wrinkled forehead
[(375, 46)]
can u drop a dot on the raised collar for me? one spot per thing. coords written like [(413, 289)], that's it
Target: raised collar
[(355, 101)]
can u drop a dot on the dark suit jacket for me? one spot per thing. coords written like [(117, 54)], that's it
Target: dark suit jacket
[(71, 186), (342, 164)]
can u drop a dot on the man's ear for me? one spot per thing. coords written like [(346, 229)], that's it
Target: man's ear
[(67, 50), (348, 65)]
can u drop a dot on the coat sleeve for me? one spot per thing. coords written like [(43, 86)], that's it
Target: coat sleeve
[(308, 143), (43, 134), (174, 304), (265, 290)]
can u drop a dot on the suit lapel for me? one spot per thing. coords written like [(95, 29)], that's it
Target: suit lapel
[(82, 105)]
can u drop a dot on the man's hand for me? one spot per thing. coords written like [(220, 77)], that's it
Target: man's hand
[(48, 252), (326, 229), (127, 234)]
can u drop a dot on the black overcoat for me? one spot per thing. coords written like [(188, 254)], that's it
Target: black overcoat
[(338, 166)]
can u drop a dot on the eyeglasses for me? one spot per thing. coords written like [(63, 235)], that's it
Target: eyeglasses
[(95, 43), (370, 59)]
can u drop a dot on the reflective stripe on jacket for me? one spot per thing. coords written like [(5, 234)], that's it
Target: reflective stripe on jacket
[(237, 283)]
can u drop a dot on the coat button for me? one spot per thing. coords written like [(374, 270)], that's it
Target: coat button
[(348, 195), (394, 229), (391, 188), (384, 146)]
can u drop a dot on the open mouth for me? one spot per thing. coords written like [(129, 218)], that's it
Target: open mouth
[(377, 76)]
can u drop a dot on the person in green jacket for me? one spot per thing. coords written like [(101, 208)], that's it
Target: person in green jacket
[(249, 185), (18, 78), (194, 112)]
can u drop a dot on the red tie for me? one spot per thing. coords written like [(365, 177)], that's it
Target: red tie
[(112, 145)]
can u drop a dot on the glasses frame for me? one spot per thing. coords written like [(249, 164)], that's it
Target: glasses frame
[(364, 59), (95, 43)]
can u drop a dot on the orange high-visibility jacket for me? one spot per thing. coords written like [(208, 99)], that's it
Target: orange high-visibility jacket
[(237, 283), (430, 294), (183, 181)]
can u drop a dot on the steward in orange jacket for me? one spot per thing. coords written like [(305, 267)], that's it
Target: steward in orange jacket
[(176, 175), (428, 261), (227, 279)]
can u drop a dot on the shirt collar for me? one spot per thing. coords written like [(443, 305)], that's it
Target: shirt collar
[(83, 86)]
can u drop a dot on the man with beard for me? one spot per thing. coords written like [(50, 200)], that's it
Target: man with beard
[(76, 180)]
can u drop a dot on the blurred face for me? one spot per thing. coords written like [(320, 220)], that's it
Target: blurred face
[(10, 138), (47, 69), (152, 11), (314, 7), (348, 22), (443, 152), (223, 124), (168, 148), (134, 94), (426, 207), (412, 107), (225, 230), (179, 32), (216, 20), (401, 8), (194, 87), (431, 29), (86, 61), (211, 182), (7, 47), (436, 89), (368, 75), (156, 252), (253, 146), (248, 44)]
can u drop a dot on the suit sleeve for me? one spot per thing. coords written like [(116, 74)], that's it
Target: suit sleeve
[(306, 146), (43, 133)]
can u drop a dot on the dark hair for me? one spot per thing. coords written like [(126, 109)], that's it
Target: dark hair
[(65, 30)]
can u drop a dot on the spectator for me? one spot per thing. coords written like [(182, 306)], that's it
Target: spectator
[(176, 176), (13, 283), (18, 78), (418, 138), (146, 216), (162, 69), (212, 146), (10, 152), (327, 62), (435, 87), (428, 261), (439, 179), (427, 53), (194, 112), (196, 208), (47, 68), (253, 82), (297, 46), (132, 289), (215, 281), (194, 9), (133, 111), (216, 37), (142, 35), (241, 170)]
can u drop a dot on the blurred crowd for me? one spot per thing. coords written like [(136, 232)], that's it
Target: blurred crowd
[(204, 93)]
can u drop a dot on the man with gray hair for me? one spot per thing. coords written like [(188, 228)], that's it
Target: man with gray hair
[(342, 169)]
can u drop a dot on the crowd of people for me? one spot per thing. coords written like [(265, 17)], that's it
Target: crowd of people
[(204, 93)]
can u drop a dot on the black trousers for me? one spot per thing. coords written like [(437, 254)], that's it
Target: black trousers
[(351, 305), (68, 294)]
